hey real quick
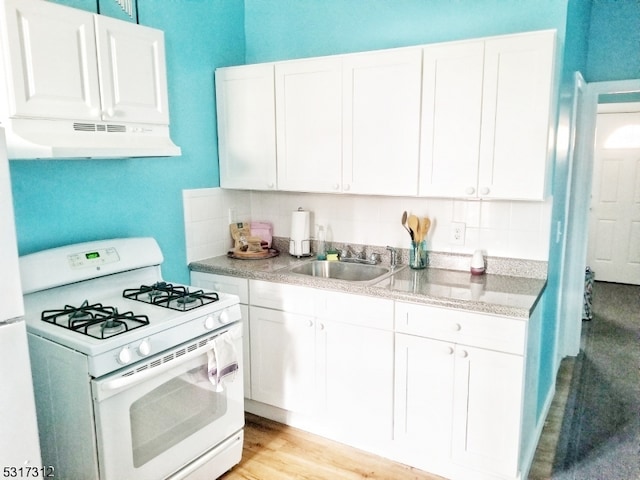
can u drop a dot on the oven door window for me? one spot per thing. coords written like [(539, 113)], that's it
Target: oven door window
[(172, 412)]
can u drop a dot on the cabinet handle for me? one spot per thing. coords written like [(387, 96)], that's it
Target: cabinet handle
[(449, 351), (336, 186), (311, 323), (484, 191), (456, 327), (463, 354), (321, 326), (470, 191), (347, 187), (271, 185)]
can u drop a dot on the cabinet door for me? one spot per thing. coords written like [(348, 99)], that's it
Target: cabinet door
[(53, 70), (451, 115), (381, 122), (516, 116), (245, 100), (356, 364), (487, 410), (283, 359), (309, 124), (133, 82), (423, 396)]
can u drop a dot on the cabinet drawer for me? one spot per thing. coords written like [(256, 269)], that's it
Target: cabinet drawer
[(222, 283), (486, 331), (358, 310), (280, 296)]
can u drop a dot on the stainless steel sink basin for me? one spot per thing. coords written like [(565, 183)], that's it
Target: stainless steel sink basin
[(351, 272)]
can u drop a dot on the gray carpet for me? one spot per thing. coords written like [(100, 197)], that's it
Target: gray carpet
[(600, 435)]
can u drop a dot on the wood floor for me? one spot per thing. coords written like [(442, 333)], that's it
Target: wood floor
[(273, 451)]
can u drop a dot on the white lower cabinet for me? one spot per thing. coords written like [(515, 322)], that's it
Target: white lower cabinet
[(443, 390), (327, 356), (458, 407), (283, 356)]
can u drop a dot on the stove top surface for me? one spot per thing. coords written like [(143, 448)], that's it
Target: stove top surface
[(125, 298)]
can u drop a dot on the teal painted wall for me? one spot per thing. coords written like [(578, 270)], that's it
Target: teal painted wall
[(66, 201), (614, 41), (287, 29)]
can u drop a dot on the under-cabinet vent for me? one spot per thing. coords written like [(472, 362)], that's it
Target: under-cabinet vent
[(92, 127)]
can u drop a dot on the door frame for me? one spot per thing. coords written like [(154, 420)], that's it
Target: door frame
[(580, 184)]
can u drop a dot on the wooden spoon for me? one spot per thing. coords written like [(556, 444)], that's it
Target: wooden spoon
[(424, 227), (413, 225), (404, 223)]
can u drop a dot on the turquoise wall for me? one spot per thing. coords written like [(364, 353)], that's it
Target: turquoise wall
[(614, 41), (285, 29), (66, 201)]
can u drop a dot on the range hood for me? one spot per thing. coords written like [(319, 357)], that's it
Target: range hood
[(74, 84), (44, 138)]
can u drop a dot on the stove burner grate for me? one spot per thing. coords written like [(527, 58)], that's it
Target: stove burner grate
[(175, 297), (95, 320)]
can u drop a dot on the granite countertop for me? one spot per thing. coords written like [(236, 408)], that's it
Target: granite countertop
[(496, 294)]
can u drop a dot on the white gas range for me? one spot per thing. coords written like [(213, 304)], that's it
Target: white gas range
[(134, 377)]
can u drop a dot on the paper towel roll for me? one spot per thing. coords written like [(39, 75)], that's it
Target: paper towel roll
[(300, 233), (300, 225)]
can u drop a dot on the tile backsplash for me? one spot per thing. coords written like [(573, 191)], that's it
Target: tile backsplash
[(500, 228)]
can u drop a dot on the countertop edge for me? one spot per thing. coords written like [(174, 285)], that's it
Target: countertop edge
[(279, 274)]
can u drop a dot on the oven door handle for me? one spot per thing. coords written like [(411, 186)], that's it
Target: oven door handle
[(109, 387)]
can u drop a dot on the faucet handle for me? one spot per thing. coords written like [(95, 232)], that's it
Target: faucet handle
[(394, 256)]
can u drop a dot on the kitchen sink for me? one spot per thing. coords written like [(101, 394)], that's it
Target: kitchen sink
[(351, 272)]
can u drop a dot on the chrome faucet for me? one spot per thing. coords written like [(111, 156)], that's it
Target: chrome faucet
[(394, 256)]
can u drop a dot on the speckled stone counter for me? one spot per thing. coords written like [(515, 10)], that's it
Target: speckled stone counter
[(497, 294)]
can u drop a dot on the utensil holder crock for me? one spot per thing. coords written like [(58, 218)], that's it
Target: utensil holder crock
[(418, 255)]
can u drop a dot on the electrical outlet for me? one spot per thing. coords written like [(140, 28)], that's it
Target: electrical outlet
[(457, 233), (233, 217)]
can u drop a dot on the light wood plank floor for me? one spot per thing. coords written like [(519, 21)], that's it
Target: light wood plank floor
[(273, 451)]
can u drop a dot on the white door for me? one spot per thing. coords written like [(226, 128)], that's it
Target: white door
[(451, 114), (53, 68), (133, 80), (614, 223), (309, 125), (283, 359), (245, 99), (516, 113), (382, 122)]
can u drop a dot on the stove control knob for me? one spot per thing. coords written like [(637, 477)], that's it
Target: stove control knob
[(144, 348), (124, 356), (209, 322), (224, 317)]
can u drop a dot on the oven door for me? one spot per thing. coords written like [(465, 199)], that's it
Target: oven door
[(154, 422)]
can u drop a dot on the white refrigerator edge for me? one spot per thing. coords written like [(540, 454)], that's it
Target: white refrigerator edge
[(19, 444)]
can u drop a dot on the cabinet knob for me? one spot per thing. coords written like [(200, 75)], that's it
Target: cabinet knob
[(484, 191), (449, 351), (456, 327), (311, 323), (347, 187), (271, 185), (336, 186), (470, 191), (463, 353)]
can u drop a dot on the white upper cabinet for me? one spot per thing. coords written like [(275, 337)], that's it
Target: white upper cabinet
[(349, 124), (132, 69), (72, 64), (246, 127), (381, 122), (487, 117), (309, 124), (467, 119), (451, 118), (517, 117), (40, 81)]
